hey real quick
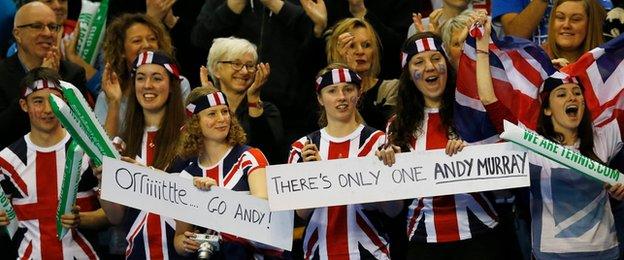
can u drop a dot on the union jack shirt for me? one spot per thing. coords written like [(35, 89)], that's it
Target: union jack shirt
[(349, 231), (149, 235), (232, 172), (445, 218), (33, 176)]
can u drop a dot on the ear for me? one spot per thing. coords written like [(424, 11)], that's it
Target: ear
[(318, 98), (547, 111), (23, 104), (16, 35)]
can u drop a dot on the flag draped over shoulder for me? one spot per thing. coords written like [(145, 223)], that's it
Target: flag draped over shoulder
[(601, 72), (518, 68)]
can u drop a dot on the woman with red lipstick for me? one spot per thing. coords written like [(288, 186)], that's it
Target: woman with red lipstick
[(215, 142), (570, 213), (155, 115), (353, 41), (460, 226), (575, 27), (346, 231)]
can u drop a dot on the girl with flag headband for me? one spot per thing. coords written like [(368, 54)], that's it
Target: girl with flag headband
[(458, 226), (214, 143), (155, 115), (347, 231), (570, 213)]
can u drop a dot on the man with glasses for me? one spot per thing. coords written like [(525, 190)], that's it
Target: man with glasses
[(35, 30)]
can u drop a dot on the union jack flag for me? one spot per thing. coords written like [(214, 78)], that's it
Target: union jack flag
[(518, 68), (601, 72)]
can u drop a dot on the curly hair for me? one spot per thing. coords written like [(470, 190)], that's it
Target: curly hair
[(113, 44), (192, 140), (410, 108)]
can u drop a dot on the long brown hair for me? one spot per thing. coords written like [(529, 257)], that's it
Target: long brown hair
[(585, 131), (595, 18), (169, 127), (410, 108), (192, 140), (113, 44)]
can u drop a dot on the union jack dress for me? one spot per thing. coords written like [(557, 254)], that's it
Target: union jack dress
[(33, 176), (149, 235), (231, 172), (445, 218), (349, 231)]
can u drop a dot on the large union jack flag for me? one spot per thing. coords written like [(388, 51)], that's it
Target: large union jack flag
[(518, 68)]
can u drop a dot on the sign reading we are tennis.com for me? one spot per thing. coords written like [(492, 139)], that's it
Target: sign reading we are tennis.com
[(415, 174)]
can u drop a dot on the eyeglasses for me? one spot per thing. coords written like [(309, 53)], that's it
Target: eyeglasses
[(53, 27), (237, 65)]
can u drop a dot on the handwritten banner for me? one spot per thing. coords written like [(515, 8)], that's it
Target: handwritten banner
[(415, 174), (560, 154), (219, 209)]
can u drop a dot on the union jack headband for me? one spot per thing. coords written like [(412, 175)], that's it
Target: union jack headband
[(204, 102), (39, 85), (421, 45), (150, 57), (336, 76), (556, 79)]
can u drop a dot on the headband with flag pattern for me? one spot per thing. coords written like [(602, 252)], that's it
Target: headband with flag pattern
[(423, 44), (39, 85), (553, 81), (207, 101), (150, 57), (336, 76)]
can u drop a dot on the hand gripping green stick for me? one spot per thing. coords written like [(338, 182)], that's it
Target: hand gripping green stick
[(69, 187)]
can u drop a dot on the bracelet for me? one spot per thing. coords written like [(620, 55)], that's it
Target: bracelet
[(482, 52)]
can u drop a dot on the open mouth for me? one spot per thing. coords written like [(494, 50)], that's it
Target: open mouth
[(431, 79), (572, 110), (341, 107), (149, 96)]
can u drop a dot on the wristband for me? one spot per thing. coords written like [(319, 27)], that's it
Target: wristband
[(258, 105)]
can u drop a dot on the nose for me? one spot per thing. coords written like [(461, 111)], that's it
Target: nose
[(145, 44), (220, 116), (358, 50), (341, 94), (429, 65), (47, 108)]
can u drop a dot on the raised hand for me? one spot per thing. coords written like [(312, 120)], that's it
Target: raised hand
[(357, 8), (52, 60), (345, 43), (317, 12), (434, 20), (236, 6), (158, 9), (262, 74), (110, 85), (204, 77)]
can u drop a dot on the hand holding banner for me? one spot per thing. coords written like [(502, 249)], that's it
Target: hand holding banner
[(560, 154), (415, 174), (219, 209)]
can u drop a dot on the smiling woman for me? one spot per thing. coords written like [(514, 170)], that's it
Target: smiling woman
[(575, 27)]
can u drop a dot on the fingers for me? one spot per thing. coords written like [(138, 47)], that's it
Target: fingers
[(119, 144), (204, 77), (417, 21), (72, 219), (617, 191), (4, 218), (189, 244), (386, 155), (204, 183), (130, 160), (310, 152), (454, 146)]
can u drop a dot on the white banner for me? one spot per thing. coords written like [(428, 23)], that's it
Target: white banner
[(219, 209), (416, 174)]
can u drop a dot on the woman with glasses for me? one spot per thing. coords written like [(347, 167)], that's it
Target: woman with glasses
[(233, 68)]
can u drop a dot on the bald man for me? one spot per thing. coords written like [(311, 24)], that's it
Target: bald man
[(35, 30)]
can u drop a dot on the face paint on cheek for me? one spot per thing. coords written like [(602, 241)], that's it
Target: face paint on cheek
[(441, 68), (353, 100), (417, 75)]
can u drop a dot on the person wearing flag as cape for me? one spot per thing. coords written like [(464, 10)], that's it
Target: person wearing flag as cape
[(570, 212), (31, 171)]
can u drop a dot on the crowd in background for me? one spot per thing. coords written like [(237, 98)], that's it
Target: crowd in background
[(202, 87)]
